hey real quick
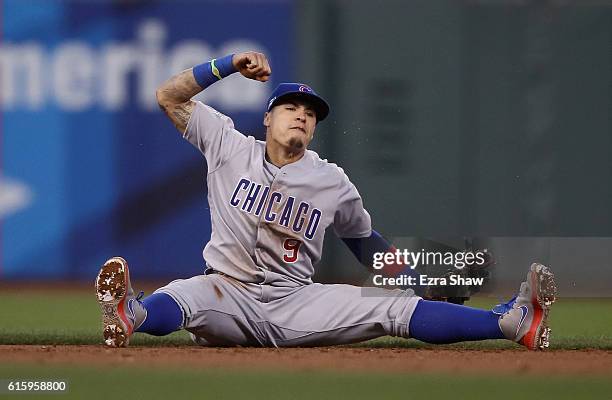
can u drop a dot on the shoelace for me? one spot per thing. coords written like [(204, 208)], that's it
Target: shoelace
[(503, 308)]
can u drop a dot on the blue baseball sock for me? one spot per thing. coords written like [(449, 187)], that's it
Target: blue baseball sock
[(164, 316), (439, 322)]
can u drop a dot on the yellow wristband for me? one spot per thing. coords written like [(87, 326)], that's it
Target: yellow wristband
[(214, 69)]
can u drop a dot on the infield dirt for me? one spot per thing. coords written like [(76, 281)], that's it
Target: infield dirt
[(518, 362)]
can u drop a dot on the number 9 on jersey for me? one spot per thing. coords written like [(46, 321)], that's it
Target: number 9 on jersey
[(291, 249)]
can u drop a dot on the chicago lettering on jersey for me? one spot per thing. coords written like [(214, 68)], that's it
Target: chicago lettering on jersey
[(255, 198)]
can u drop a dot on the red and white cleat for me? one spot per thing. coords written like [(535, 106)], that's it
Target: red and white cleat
[(121, 309), (526, 322)]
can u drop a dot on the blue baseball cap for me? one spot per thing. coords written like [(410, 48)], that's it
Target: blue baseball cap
[(299, 90)]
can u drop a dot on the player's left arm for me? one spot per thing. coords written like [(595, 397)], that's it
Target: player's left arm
[(352, 223), (364, 249)]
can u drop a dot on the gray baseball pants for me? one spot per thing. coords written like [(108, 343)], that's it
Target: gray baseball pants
[(221, 311)]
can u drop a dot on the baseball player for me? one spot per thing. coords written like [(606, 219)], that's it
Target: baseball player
[(271, 203)]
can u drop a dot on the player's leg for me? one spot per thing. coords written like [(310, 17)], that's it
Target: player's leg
[(440, 323), (208, 306), (336, 314), (122, 311), (524, 319), (218, 310), (163, 315), (324, 315)]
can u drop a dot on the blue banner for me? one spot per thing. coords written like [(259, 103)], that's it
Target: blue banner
[(90, 167)]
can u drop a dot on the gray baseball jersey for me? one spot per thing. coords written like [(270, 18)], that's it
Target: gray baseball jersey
[(268, 223)]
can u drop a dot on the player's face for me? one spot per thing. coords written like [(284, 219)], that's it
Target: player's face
[(291, 124)]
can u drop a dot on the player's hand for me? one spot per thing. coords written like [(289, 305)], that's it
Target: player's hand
[(252, 65)]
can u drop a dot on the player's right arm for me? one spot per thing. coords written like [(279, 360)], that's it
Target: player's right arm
[(174, 96)]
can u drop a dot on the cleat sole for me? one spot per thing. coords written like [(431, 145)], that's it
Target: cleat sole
[(546, 295), (111, 289)]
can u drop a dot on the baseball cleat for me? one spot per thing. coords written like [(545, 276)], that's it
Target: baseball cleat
[(525, 317), (121, 309)]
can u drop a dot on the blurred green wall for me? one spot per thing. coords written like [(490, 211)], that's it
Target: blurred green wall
[(468, 118)]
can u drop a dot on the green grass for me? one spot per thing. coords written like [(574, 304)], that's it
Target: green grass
[(153, 383), (71, 318), (40, 317), (47, 318)]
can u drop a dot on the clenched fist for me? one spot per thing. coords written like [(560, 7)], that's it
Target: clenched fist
[(252, 65)]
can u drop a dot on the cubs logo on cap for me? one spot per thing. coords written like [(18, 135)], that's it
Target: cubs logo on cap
[(299, 90)]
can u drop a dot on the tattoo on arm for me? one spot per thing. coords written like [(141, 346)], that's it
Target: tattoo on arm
[(179, 114), (174, 98)]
